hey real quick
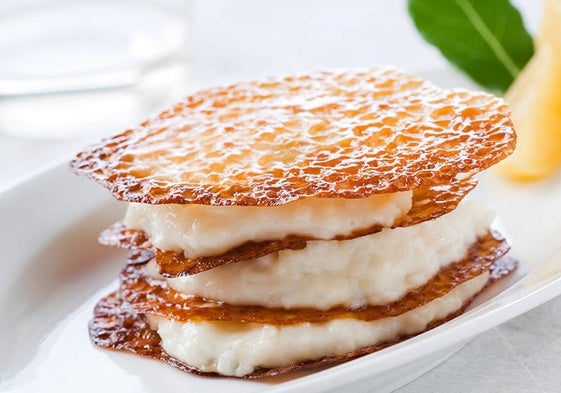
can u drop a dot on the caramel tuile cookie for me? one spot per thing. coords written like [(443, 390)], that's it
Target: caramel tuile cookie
[(330, 134)]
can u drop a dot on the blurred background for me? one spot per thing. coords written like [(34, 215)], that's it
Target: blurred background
[(72, 71)]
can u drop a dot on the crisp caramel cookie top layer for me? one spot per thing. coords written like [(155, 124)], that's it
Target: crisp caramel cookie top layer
[(345, 134)]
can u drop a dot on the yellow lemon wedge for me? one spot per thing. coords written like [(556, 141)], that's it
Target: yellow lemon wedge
[(550, 27), (535, 100)]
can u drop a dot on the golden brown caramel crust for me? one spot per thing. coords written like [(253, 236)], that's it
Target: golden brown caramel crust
[(346, 134), (116, 325), (427, 204)]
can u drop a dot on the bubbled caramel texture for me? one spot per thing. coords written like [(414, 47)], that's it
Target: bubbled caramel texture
[(427, 204), (346, 134)]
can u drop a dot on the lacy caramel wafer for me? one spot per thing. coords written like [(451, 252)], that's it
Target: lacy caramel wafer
[(330, 134)]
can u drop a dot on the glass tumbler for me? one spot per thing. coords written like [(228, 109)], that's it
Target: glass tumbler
[(75, 67)]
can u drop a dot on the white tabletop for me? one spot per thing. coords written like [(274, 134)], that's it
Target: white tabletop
[(253, 38)]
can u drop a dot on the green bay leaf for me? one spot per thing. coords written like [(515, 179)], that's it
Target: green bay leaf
[(484, 38)]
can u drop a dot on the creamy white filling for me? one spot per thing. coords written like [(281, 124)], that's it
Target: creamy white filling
[(201, 230), (373, 269), (238, 349)]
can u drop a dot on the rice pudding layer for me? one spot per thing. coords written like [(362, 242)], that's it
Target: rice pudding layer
[(203, 230), (369, 270), (238, 349)]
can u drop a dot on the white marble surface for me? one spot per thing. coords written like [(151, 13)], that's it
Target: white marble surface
[(251, 38)]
